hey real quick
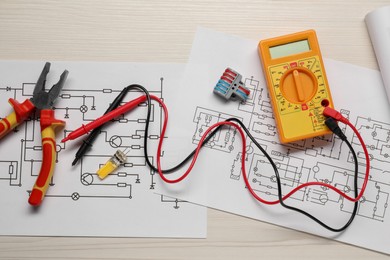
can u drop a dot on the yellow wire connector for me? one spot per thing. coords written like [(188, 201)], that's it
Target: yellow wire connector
[(114, 162)]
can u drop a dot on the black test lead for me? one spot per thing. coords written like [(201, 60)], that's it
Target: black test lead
[(87, 143)]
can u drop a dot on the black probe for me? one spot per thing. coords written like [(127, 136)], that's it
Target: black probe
[(87, 143)]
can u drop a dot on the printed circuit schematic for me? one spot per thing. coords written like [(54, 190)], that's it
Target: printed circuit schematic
[(77, 191), (294, 169)]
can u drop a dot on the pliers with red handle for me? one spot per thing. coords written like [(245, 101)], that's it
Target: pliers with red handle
[(43, 101)]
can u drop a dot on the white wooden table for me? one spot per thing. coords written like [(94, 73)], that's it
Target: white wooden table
[(162, 31)]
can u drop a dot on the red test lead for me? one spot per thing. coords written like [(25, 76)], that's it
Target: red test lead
[(84, 129)]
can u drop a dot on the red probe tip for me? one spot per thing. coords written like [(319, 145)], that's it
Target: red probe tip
[(65, 139)]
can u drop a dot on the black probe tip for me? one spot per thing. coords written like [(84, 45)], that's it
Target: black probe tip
[(75, 161)]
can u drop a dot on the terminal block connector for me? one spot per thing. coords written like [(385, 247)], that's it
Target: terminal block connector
[(230, 86)]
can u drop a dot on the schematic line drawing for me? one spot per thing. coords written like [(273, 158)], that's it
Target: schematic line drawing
[(80, 107), (294, 169)]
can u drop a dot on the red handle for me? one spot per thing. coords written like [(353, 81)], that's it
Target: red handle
[(21, 112), (48, 126)]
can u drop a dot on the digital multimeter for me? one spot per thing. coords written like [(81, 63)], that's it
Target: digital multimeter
[(297, 84)]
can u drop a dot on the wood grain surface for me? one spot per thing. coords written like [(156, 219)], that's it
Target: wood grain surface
[(162, 31)]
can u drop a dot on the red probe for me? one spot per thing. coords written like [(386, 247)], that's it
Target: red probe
[(84, 129)]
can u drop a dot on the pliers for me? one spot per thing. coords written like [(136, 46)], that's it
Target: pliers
[(42, 101)]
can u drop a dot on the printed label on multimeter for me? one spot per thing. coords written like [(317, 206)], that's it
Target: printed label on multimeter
[(297, 84)]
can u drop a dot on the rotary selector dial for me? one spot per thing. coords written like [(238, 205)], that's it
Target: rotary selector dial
[(298, 85)]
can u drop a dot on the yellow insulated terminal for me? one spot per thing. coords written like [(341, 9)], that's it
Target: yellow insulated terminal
[(117, 159)]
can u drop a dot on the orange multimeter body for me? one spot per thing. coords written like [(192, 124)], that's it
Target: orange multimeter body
[(297, 84)]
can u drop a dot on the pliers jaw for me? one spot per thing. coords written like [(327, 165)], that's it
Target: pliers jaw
[(42, 99)]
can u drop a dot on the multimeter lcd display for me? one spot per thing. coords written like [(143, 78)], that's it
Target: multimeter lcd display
[(289, 49)]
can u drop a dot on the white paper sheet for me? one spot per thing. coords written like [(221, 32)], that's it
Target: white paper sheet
[(78, 203), (357, 92), (378, 25)]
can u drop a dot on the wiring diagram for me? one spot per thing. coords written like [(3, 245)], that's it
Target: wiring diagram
[(83, 106), (358, 95), (131, 186), (324, 154)]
